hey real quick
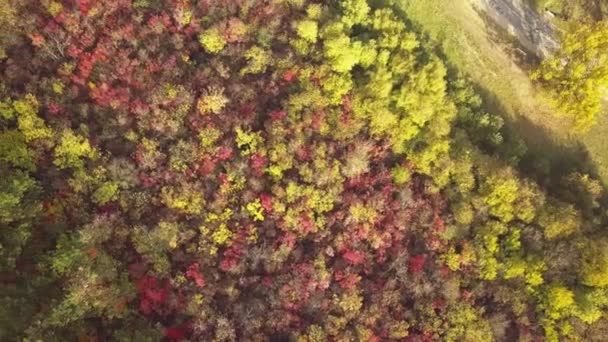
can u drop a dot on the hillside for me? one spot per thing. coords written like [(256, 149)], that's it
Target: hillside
[(499, 64), (287, 170)]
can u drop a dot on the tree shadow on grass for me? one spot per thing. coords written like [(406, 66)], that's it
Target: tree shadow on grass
[(547, 159)]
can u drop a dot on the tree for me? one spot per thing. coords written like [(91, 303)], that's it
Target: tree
[(354, 12), (30, 124), (10, 24), (559, 301), (71, 150), (343, 53), (559, 220), (307, 30), (14, 150), (500, 191), (286, 169), (212, 100), (19, 209), (212, 40), (577, 75), (594, 270)]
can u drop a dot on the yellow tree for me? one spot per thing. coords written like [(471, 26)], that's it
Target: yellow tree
[(577, 75)]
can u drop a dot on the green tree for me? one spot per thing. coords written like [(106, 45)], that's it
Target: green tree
[(18, 210), (354, 12), (94, 283), (28, 121), (153, 244), (9, 23), (14, 150), (72, 150), (499, 192), (258, 60), (107, 192), (594, 270), (559, 220), (341, 52), (590, 304), (584, 190)]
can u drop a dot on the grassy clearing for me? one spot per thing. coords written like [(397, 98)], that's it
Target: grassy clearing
[(489, 58), (552, 5)]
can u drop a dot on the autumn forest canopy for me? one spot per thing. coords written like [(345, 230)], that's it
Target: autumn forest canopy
[(285, 170)]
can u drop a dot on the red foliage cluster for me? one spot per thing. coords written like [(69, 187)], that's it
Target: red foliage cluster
[(266, 201), (178, 332), (116, 98), (278, 115), (347, 281), (152, 293), (354, 257), (416, 263), (234, 252), (258, 163), (193, 273), (224, 153), (290, 75)]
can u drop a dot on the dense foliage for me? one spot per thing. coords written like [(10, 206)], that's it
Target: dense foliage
[(577, 75), (282, 169)]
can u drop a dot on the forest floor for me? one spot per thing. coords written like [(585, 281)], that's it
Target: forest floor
[(483, 40)]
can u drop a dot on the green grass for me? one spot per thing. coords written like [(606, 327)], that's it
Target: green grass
[(487, 56), (554, 6)]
